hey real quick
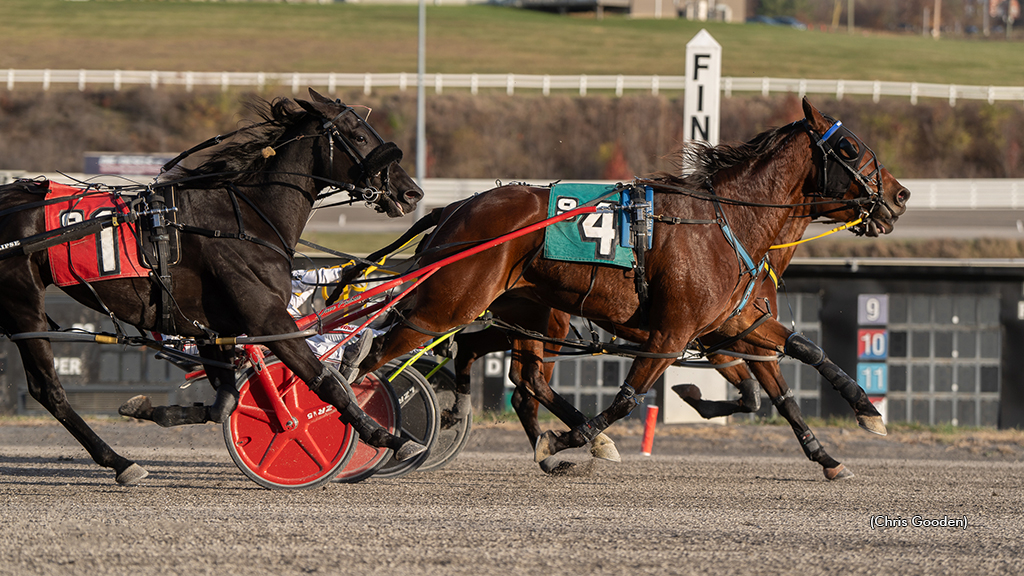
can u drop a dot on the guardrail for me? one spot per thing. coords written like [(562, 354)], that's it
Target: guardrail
[(508, 82), (930, 194)]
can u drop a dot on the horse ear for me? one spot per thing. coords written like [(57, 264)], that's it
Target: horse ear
[(815, 118), (308, 106), (318, 98)]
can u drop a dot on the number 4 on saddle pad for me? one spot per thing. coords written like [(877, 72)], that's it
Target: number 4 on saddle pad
[(596, 237)]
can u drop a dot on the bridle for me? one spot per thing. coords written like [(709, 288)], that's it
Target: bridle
[(842, 163), (375, 163)]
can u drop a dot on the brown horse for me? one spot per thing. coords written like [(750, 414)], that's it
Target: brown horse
[(240, 215), (532, 376), (698, 275)]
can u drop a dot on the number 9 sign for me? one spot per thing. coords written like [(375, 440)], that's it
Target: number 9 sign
[(873, 309)]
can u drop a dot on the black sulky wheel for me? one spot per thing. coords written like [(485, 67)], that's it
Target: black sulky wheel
[(419, 415), (454, 432)]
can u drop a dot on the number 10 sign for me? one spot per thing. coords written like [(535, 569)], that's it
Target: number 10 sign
[(872, 344)]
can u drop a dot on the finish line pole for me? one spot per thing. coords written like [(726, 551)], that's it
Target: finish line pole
[(421, 106)]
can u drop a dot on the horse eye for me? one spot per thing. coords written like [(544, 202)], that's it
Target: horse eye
[(847, 149), (360, 139)]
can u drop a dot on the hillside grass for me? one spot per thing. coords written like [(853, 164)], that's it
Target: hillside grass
[(342, 37)]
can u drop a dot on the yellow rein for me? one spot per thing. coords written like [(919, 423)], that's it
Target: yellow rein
[(822, 235)]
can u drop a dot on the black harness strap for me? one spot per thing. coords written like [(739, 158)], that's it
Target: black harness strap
[(431, 333), (62, 235), (236, 192), (162, 275), (707, 351)]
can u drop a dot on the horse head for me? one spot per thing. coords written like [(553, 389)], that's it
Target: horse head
[(849, 173), (366, 160)]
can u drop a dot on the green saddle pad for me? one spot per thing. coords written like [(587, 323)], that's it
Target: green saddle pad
[(594, 237)]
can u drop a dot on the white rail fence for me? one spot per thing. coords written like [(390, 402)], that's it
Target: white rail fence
[(510, 83), (930, 194), (927, 194)]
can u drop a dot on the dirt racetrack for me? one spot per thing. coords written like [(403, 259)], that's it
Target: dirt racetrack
[(717, 500)]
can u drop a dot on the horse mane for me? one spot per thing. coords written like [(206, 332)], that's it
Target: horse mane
[(700, 161), (242, 160)]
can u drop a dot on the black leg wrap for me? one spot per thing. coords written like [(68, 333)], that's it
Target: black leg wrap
[(369, 430), (626, 400), (750, 395), (329, 388), (591, 428), (810, 444), (168, 416), (627, 396), (808, 352), (799, 347), (789, 410), (224, 405), (780, 404)]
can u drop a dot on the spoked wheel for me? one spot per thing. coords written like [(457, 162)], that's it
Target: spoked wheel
[(454, 432), (420, 417), (305, 452), (377, 398)]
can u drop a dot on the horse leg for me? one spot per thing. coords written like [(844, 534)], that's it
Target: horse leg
[(223, 382), (470, 347), (44, 386), (770, 377), (644, 371), (22, 306), (773, 335), (533, 376), (799, 347), (749, 400), (331, 388)]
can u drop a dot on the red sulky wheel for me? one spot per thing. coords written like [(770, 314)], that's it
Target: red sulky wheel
[(306, 453), (378, 399)]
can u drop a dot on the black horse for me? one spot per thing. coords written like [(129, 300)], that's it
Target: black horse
[(239, 216)]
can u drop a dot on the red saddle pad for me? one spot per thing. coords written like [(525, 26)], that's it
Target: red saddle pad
[(110, 254)]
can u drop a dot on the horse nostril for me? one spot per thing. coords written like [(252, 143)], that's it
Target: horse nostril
[(902, 197), (414, 195)]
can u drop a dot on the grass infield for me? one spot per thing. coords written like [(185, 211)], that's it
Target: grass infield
[(342, 37)]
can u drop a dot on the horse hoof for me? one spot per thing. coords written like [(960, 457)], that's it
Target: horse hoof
[(545, 447), (840, 472), (687, 392), (872, 424), (556, 467), (131, 475), (409, 450), (604, 448), (137, 407)]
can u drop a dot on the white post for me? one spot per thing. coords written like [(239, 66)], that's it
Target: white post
[(421, 103), (702, 93)]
